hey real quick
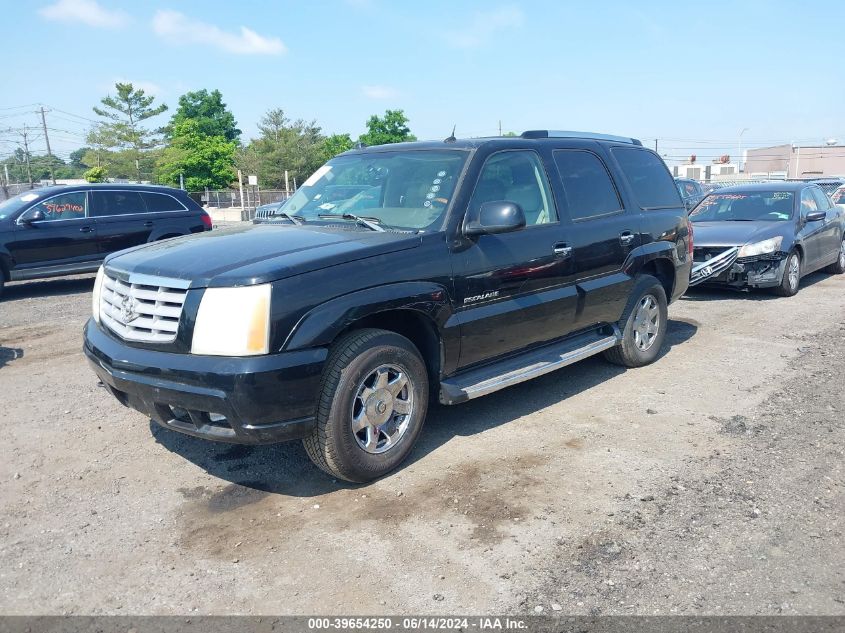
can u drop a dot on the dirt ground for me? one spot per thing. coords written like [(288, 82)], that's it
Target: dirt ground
[(708, 483)]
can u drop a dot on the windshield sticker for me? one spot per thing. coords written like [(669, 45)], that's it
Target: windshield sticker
[(781, 195), (435, 188), (441, 173), (429, 196), (61, 207), (427, 204), (325, 170)]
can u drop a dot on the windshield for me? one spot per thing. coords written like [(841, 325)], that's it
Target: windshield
[(13, 205), (772, 206), (403, 189)]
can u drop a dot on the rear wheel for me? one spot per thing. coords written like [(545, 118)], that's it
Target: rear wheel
[(838, 267), (791, 276), (643, 325), (373, 402)]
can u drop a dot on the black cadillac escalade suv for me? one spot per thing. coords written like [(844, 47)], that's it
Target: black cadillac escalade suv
[(447, 269)]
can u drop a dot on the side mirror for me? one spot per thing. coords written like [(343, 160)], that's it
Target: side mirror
[(815, 216), (500, 216), (32, 215)]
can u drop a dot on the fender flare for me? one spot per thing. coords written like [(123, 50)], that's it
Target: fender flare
[(319, 326), (642, 255)]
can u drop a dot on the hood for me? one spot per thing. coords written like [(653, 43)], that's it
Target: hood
[(736, 233), (256, 253)]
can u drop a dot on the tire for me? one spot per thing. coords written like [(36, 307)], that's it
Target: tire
[(356, 386), (640, 343), (791, 280), (838, 267)]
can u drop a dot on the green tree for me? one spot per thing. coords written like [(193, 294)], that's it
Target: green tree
[(297, 147), (204, 161), (77, 156), (122, 129), (96, 174), (336, 144), (209, 111), (391, 128)]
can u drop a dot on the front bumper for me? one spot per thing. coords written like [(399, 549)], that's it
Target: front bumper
[(753, 272), (254, 400)]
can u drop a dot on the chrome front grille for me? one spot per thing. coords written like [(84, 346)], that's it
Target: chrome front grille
[(143, 308)]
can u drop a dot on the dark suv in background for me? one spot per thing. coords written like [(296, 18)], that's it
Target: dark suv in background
[(452, 268), (66, 230)]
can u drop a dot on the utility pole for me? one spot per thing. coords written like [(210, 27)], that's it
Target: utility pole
[(655, 145), (26, 155), (500, 127), (47, 140)]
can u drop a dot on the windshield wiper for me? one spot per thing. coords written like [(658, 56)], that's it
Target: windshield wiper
[(739, 220), (293, 219), (368, 222)]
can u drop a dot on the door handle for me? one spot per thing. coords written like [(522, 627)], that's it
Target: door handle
[(626, 238), (148, 224), (562, 250), (85, 229)]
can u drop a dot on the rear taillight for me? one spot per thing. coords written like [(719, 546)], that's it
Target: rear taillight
[(689, 238), (206, 220)]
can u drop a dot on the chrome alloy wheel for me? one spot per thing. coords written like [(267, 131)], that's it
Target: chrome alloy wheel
[(842, 254), (382, 408), (646, 322), (794, 272)]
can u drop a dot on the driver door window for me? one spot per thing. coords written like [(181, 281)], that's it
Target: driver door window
[(66, 206), (517, 176), (808, 203)]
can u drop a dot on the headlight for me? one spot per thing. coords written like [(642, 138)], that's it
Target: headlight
[(233, 322), (761, 248), (95, 297)]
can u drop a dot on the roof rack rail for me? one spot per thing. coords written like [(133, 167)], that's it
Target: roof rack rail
[(588, 135)]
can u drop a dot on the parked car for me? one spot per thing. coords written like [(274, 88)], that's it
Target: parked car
[(479, 264), (838, 195), (829, 184), (267, 210), (690, 190), (66, 230), (767, 235)]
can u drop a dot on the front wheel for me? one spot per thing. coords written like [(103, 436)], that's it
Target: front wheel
[(788, 286), (838, 267), (643, 325), (373, 402)]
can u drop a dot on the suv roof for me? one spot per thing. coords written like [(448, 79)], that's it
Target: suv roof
[(529, 135)]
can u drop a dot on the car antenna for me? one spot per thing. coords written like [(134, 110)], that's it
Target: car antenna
[(451, 138)]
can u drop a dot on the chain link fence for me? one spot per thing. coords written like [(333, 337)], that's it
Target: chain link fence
[(253, 197)]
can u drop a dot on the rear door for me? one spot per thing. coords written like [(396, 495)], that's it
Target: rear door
[(513, 290), (122, 219), (66, 235), (601, 234), (168, 215)]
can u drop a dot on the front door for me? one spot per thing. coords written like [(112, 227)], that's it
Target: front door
[(512, 288), (65, 236), (830, 234), (811, 232)]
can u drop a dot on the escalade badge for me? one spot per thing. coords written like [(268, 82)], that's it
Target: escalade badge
[(127, 310)]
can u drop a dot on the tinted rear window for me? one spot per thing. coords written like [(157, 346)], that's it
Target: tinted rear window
[(588, 187), (161, 202), (650, 181), (117, 203)]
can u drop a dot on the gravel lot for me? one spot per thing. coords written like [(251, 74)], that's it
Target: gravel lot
[(708, 483)]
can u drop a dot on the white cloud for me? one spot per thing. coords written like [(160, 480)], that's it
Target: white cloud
[(86, 11), (179, 28), (484, 25), (379, 92)]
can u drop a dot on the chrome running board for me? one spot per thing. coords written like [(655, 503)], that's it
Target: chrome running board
[(531, 364)]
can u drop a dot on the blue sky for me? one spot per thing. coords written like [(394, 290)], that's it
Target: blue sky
[(690, 74)]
